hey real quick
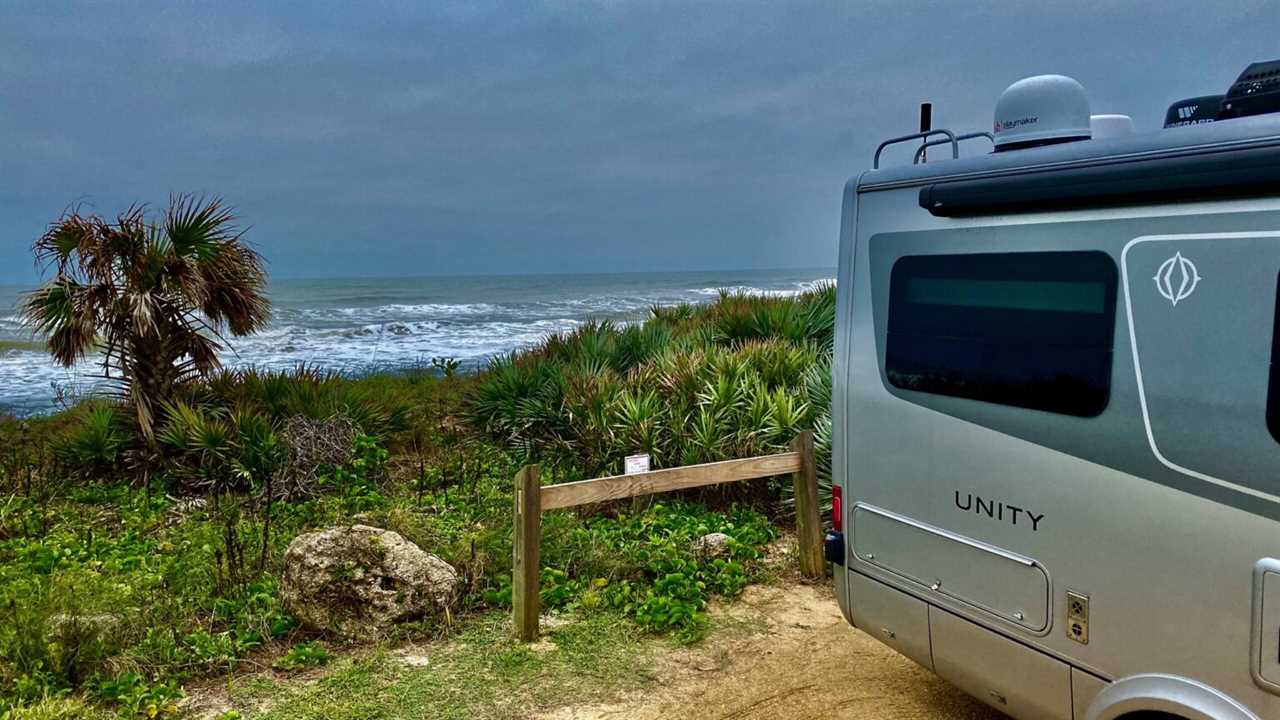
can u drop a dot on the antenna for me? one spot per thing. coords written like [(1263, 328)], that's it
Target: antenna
[(926, 124)]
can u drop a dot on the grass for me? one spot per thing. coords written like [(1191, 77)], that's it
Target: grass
[(481, 674), (141, 576), (59, 708)]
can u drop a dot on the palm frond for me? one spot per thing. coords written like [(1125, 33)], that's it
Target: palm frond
[(153, 296), (198, 227), (62, 311)]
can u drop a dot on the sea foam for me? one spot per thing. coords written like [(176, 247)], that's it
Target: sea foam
[(359, 326)]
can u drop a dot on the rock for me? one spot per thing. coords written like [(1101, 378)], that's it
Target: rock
[(548, 621), (413, 657), (83, 626), (713, 544), (359, 580)]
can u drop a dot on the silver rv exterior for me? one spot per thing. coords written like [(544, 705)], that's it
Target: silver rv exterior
[(1060, 485)]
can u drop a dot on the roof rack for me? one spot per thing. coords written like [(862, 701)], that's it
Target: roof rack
[(967, 136), (951, 138)]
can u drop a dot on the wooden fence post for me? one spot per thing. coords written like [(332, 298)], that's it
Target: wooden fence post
[(525, 566), (808, 523)]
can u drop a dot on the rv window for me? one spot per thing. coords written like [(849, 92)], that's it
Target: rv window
[(1032, 330)]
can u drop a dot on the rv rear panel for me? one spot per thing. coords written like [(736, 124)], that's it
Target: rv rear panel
[(1057, 423)]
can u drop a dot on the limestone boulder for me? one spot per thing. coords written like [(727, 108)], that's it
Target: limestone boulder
[(358, 581)]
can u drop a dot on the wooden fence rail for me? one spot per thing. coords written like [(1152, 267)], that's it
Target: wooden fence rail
[(531, 499)]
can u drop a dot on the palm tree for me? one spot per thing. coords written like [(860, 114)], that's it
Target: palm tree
[(154, 295)]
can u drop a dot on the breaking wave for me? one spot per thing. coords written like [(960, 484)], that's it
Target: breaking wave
[(358, 326)]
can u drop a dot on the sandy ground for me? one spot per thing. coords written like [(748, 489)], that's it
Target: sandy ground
[(787, 654)]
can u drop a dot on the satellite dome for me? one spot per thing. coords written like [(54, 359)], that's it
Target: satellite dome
[(1041, 110), (1105, 127)]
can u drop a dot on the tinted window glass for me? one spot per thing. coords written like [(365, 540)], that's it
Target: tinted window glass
[(1033, 330)]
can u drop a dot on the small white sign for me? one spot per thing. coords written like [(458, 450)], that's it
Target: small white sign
[(635, 464)]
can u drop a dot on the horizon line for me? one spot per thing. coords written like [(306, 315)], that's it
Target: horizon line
[(438, 276)]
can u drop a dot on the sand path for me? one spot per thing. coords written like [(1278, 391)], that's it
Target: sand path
[(788, 654)]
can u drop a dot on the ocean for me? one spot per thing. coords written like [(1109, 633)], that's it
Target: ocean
[(362, 325)]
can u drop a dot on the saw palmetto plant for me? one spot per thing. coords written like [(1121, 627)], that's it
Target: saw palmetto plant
[(694, 383), (151, 297)]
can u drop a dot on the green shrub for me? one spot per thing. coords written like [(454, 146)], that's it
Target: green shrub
[(693, 384), (818, 390), (307, 392), (56, 628), (446, 366), (95, 445), (649, 565), (358, 481), (675, 601), (113, 582), (302, 655), (137, 698)]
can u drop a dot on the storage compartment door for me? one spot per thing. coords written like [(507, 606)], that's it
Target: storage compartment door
[(1012, 678), (1004, 584), (891, 616)]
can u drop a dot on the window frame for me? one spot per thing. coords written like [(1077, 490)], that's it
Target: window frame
[(1075, 348)]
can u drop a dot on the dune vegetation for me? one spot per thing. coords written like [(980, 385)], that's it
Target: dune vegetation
[(141, 540)]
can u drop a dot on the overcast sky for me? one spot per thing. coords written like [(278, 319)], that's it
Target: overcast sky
[(417, 138)]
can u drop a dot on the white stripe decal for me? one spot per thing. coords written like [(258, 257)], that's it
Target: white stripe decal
[(1137, 365)]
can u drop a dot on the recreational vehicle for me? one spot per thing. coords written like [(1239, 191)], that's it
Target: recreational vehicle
[(1057, 406)]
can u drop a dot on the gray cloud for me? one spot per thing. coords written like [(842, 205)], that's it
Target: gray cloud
[(410, 138)]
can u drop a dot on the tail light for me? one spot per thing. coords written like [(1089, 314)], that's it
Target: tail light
[(833, 544), (837, 509)]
